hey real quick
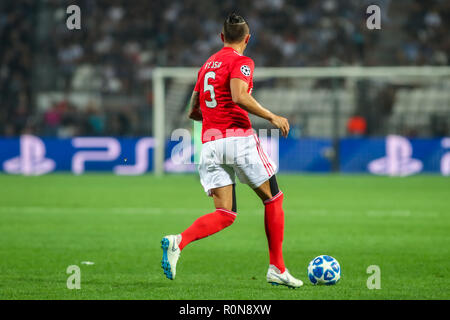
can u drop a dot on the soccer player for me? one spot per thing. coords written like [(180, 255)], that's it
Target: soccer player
[(221, 100)]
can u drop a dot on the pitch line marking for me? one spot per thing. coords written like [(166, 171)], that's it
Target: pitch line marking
[(199, 211)]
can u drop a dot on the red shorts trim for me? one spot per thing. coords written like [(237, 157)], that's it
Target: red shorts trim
[(263, 157)]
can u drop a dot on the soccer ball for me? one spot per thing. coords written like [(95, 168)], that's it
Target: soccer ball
[(324, 270)]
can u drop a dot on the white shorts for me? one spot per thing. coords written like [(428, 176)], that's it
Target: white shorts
[(221, 160)]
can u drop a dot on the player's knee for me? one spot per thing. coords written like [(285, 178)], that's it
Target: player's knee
[(227, 206), (268, 189)]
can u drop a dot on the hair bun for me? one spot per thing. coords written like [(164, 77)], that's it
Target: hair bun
[(235, 19)]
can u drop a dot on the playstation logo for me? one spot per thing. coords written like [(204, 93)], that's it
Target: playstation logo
[(31, 160), (398, 160)]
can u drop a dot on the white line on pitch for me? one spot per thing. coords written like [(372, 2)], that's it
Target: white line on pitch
[(199, 211)]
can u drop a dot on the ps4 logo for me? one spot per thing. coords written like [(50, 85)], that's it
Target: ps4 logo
[(445, 160), (32, 159), (111, 154), (399, 159)]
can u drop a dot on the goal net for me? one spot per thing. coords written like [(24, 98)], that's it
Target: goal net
[(319, 103)]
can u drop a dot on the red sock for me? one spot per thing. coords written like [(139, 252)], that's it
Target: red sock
[(274, 224), (207, 225)]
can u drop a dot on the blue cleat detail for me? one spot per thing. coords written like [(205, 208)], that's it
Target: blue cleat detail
[(165, 262)]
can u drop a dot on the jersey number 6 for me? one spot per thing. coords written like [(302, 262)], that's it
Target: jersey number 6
[(210, 88)]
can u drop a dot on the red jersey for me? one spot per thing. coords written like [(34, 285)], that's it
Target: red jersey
[(221, 116)]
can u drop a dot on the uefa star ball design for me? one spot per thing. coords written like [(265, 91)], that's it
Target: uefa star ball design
[(245, 70), (324, 270)]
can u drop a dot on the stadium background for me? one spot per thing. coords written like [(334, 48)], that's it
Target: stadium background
[(59, 86), (97, 81)]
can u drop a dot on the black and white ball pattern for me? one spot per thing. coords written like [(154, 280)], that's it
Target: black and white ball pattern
[(245, 70)]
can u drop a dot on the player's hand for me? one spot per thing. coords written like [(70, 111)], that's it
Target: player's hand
[(281, 123)]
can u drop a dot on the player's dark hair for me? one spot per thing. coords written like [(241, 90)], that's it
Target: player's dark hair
[(235, 28)]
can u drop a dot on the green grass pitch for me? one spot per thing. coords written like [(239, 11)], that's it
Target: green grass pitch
[(48, 223)]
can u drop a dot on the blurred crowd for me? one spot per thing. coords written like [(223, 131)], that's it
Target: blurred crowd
[(16, 53), (121, 42)]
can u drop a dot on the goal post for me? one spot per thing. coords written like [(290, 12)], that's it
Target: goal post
[(425, 74)]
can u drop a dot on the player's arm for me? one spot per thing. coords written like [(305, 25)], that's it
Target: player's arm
[(240, 96), (194, 107)]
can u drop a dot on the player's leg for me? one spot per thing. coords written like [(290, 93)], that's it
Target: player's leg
[(272, 198), (204, 226), (258, 171), (217, 179), (222, 217)]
